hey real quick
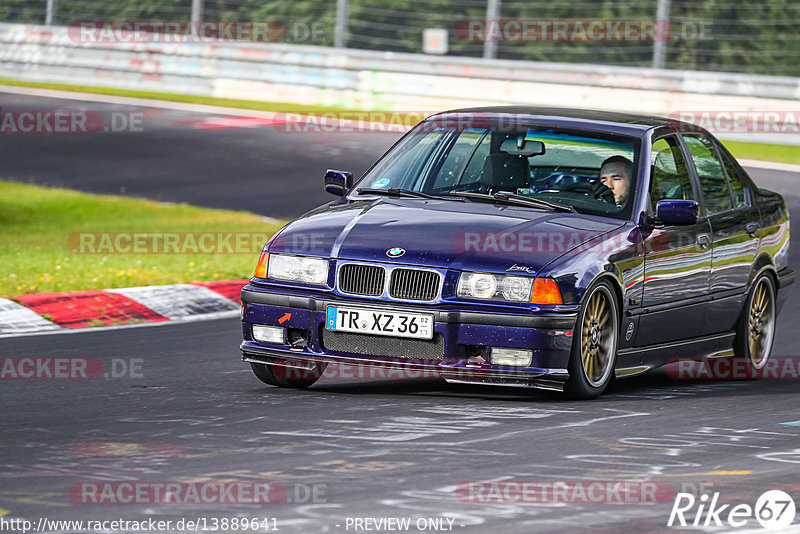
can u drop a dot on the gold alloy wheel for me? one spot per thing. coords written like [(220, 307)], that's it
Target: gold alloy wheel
[(598, 337), (761, 323)]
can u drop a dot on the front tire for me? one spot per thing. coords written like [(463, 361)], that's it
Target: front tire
[(594, 344), (755, 331), (287, 377)]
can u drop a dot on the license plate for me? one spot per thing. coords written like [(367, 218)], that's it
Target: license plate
[(380, 322)]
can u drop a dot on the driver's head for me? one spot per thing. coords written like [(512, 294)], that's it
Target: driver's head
[(615, 173)]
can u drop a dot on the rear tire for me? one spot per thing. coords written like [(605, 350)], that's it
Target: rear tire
[(287, 377), (755, 331), (594, 344)]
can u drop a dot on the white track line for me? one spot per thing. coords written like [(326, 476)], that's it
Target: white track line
[(769, 165)]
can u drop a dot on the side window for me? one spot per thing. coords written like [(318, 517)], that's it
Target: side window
[(713, 182), (736, 181), (473, 171), (670, 176), (456, 160), (402, 167)]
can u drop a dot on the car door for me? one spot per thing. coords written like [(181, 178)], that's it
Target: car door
[(677, 261), (734, 224)]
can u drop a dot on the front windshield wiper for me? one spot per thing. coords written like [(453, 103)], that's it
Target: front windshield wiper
[(508, 198), (397, 192)]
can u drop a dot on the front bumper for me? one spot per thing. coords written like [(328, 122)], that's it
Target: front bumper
[(461, 340)]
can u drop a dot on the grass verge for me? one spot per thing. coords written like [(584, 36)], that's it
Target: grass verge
[(53, 241), (764, 152)]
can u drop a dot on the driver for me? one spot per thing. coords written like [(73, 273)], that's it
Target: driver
[(615, 173)]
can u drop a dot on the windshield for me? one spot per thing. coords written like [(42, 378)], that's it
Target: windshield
[(592, 172)]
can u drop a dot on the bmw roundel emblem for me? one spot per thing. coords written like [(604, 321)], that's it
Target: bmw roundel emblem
[(395, 252)]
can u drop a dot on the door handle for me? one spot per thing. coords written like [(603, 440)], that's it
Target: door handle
[(751, 229), (703, 240)]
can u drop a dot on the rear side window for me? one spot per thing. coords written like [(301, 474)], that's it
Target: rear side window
[(736, 181), (670, 175), (713, 181)]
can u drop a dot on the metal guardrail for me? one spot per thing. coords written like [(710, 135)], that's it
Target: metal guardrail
[(279, 72)]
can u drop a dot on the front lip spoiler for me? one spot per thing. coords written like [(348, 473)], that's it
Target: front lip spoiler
[(560, 321), (553, 380), (547, 384)]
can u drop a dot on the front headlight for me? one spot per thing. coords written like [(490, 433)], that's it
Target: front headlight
[(298, 269), (494, 287)]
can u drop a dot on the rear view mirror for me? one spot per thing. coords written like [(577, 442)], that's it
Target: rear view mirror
[(522, 147), (677, 212), (338, 182)]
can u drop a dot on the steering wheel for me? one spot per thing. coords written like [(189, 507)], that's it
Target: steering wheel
[(595, 188)]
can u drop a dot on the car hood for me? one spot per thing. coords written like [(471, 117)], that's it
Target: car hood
[(440, 233)]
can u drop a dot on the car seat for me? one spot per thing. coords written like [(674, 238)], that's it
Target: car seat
[(504, 172)]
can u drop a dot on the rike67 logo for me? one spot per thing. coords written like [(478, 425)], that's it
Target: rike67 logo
[(774, 510)]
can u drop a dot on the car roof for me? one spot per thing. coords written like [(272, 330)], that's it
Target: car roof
[(630, 124)]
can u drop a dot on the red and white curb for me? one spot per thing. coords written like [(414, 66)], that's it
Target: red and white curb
[(17, 318), (53, 312)]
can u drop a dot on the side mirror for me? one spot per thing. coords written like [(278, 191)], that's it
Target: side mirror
[(338, 182), (677, 212)]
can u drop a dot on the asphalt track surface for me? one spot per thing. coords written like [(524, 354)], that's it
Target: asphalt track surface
[(177, 156), (175, 404)]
